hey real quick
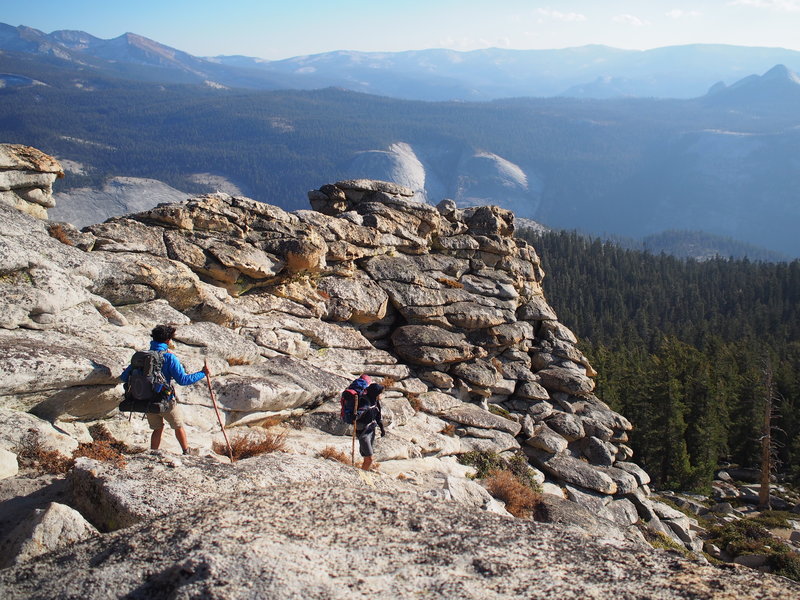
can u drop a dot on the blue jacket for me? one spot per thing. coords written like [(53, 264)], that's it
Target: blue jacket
[(172, 369)]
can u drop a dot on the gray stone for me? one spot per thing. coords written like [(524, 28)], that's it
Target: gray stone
[(723, 508), (469, 493), (8, 464), (531, 390), (279, 384), (641, 475), (553, 508), (599, 452), (567, 426), (621, 511), (565, 380), (429, 345), (571, 470), (46, 530), (591, 500), (437, 403), (476, 372), (537, 309), (539, 411), (544, 438), (596, 429), (473, 416), (625, 482), (18, 428)]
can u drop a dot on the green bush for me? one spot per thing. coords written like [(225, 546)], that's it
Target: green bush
[(746, 537), (775, 519), (786, 564)]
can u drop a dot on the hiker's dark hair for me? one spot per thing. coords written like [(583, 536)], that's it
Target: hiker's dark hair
[(163, 333), (373, 391)]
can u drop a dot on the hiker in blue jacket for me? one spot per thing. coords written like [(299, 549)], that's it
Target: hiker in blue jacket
[(367, 422), (173, 371)]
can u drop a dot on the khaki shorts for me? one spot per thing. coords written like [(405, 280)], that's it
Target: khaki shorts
[(174, 417)]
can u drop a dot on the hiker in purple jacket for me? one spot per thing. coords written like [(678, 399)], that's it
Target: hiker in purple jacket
[(173, 371)]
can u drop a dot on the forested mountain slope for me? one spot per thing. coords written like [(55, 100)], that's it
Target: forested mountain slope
[(683, 348), (625, 167)]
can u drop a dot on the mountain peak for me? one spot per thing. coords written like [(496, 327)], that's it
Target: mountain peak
[(781, 73), (780, 86)]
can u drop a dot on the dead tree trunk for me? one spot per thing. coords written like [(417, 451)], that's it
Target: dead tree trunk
[(766, 443)]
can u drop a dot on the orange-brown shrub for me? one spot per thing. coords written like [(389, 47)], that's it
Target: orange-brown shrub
[(332, 453), (104, 450), (416, 403), (56, 231), (452, 283), (272, 421), (237, 361), (449, 429), (100, 433), (31, 454), (519, 498), (252, 444)]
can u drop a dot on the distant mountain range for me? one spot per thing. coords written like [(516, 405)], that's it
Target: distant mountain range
[(132, 119), (584, 72)]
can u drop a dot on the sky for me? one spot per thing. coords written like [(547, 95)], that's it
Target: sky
[(276, 29)]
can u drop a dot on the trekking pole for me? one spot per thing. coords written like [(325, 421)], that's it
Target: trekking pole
[(216, 410), (355, 419)]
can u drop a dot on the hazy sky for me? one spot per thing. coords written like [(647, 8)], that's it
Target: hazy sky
[(275, 29)]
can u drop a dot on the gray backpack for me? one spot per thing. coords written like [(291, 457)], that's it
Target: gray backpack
[(146, 390)]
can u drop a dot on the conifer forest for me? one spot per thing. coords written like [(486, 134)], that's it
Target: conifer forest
[(690, 351)]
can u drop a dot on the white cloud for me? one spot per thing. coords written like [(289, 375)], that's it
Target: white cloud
[(677, 13), (556, 15), (778, 5), (631, 20)]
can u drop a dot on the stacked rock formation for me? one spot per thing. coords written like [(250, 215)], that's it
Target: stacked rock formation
[(26, 178), (443, 304)]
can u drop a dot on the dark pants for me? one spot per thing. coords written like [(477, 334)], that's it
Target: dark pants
[(366, 439)]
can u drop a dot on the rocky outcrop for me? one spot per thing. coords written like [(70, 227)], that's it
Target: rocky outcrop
[(296, 540), (26, 179), (441, 304)]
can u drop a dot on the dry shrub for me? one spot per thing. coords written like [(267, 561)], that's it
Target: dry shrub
[(252, 444), (416, 403), (449, 429), (402, 476), (104, 450), (388, 381), (519, 498), (452, 283), (100, 433), (237, 361), (272, 421), (56, 231), (332, 453), (31, 454)]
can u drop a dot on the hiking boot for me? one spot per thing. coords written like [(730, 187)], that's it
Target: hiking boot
[(191, 452)]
